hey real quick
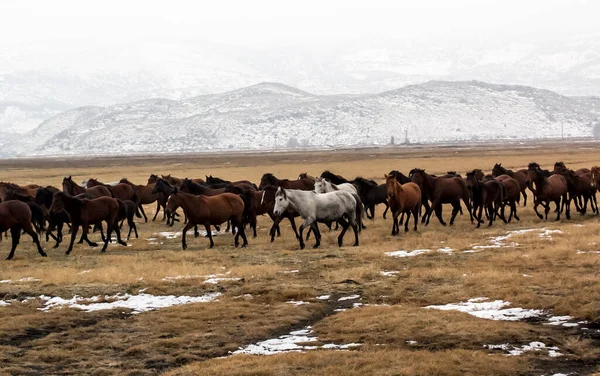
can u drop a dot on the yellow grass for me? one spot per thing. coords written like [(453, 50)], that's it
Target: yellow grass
[(537, 273)]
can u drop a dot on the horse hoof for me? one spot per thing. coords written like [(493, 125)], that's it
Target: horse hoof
[(315, 246), (184, 247), (197, 234), (9, 258), (123, 244), (244, 245), (302, 246), (43, 254), (540, 216), (93, 244), (340, 244)]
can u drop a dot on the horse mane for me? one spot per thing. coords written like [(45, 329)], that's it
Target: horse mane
[(362, 181), (533, 166), (333, 186), (415, 170)]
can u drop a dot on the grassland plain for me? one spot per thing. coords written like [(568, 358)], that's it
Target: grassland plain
[(348, 295)]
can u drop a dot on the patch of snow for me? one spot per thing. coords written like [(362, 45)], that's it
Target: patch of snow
[(403, 253), (137, 303), (501, 240), (323, 297), (6, 281), (216, 280), (178, 277), (169, 234), (350, 297), (389, 273), (410, 342), (494, 310), (513, 350), (291, 271), (446, 250), (297, 302), (84, 272), (3, 303), (295, 341)]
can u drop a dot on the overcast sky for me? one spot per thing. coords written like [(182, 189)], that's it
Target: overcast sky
[(267, 21)]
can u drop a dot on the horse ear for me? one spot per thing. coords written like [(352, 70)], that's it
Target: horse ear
[(386, 176)]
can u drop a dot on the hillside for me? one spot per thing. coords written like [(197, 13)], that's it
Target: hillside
[(271, 115)]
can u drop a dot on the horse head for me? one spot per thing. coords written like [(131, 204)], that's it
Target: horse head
[(282, 202)]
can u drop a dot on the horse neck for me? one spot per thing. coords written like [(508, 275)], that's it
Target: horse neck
[(429, 181), (71, 204)]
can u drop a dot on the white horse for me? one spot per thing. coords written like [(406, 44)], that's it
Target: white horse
[(340, 206), (323, 185)]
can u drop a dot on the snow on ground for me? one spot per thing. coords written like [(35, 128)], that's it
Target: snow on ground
[(176, 234), (501, 240), (296, 341), (211, 278), (350, 297), (417, 252), (513, 350), (389, 273), (323, 297), (297, 302), (137, 303), (26, 279), (496, 310), (491, 310)]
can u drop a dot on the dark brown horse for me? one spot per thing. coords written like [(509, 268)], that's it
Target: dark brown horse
[(4, 187), (121, 191), (520, 176), (145, 197), (71, 188), (84, 212), (442, 191), (305, 175), (305, 184), (403, 198), (333, 178), (489, 194), (218, 183), (127, 210), (558, 166), (372, 194), (16, 216), (581, 188), (210, 211), (547, 190), (513, 194), (189, 186)]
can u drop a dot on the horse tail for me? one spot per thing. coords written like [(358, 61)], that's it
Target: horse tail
[(138, 203), (358, 210), (249, 204), (122, 209)]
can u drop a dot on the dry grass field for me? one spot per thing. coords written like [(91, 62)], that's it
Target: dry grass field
[(271, 289)]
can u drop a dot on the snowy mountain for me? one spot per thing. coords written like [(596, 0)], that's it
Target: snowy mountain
[(269, 115)]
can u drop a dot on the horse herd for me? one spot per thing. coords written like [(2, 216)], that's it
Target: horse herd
[(327, 199)]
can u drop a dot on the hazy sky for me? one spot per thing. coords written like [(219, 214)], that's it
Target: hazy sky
[(264, 21)]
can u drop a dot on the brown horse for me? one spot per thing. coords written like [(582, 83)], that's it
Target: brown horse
[(305, 184), (520, 176), (16, 216), (216, 182), (84, 212), (305, 175), (71, 188), (442, 191), (581, 188), (513, 194), (547, 190), (26, 190), (489, 194), (561, 166), (403, 198), (207, 211), (145, 196), (121, 191)]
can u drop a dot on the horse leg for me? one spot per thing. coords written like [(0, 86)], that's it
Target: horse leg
[(141, 208), (558, 202), (299, 237), (74, 229), (415, 213), (438, 213), (275, 226), (427, 213), (371, 208), (513, 209), (401, 222), (568, 208), (524, 193), (478, 215), (492, 214), (242, 232), (500, 207), (156, 212), (407, 220), (536, 203), (387, 207), (84, 236), (455, 211), (315, 229), (294, 228), (189, 226), (15, 233), (394, 222), (345, 226), (36, 240)]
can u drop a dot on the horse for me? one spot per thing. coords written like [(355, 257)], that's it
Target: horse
[(251, 200), (402, 179), (16, 216), (189, 186), (305, 184), (580, 187), (340, 206), (335, 179), (322, 185), (441, 191), (548, 189), (127, 210), (38, 212), (211, 180), (489, 194), (209, 210), (26, 191), (267, 203), (84, 212), (121, 191), (558, 166), (371, 195), (520, 176), (145, 197), (305, 175), (403, 198), (71, 188), (513, 194)]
